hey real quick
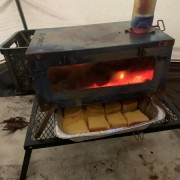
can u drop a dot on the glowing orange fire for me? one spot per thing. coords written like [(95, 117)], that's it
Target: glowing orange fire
[(127, 77)]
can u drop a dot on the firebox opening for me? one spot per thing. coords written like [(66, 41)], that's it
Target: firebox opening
[(101, 74)]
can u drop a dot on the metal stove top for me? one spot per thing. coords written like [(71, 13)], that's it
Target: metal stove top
[(90, 37)]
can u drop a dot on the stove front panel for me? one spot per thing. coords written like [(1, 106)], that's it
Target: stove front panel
[(101, 81), (87, 64)]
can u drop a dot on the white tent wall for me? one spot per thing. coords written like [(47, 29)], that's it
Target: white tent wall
[(59, 13)]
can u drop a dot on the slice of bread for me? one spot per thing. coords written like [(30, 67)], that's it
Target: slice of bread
[(116, 120), (112, 107), (69, 120), (76, 127), (129, 106), (97, 123), (94, 109), (135, 117), (72, 112)]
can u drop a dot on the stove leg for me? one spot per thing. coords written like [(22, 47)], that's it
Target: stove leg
[(25, 165)]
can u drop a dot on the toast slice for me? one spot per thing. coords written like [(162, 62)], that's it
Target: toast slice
[(135, 117), (76, 127), (97, 123), (111, 108), (129, 106), (116, 120), (94, 109), (72, 112)]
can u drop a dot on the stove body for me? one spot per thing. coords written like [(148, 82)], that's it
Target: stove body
[(79, 65)]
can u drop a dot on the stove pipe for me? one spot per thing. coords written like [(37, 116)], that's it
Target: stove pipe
[(142, 17)]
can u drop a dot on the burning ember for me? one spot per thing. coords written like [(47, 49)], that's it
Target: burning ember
[(125, 78), (101, 74)]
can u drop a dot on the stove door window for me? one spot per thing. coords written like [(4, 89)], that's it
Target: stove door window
[(101, 74)]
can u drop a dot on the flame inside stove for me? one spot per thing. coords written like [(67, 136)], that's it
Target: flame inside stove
[(102, 74), (127, 78)]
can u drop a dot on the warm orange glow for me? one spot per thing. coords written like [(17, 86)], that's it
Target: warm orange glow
[(121, 75), (128, 77), (102, 74), (118, 76)]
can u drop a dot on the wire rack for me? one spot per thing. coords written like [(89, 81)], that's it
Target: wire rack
[(20, 70), (48, 133), (171, 115), (36, 119)]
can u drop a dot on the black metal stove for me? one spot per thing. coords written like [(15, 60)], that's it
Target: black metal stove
[(80, 65)]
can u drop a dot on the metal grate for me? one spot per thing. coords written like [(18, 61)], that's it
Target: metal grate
[(37, 116), (171, 116), (36, 119)]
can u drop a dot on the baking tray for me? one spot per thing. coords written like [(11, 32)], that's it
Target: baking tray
[(147, 106)]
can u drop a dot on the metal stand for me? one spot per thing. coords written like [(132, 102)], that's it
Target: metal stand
[(48, 139), (21, 14), (25, 165)]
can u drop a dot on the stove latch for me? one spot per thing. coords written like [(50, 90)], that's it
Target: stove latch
[(160, 25)]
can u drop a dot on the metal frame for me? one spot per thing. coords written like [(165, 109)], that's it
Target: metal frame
[(21, 14), (31, 144)]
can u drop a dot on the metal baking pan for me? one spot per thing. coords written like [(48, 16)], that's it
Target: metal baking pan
[(147, 106)]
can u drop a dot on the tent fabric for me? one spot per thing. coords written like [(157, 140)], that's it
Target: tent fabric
[(60, 13)]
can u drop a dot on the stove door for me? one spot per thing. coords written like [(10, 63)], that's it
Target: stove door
[(97, 81), (103, 74)]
